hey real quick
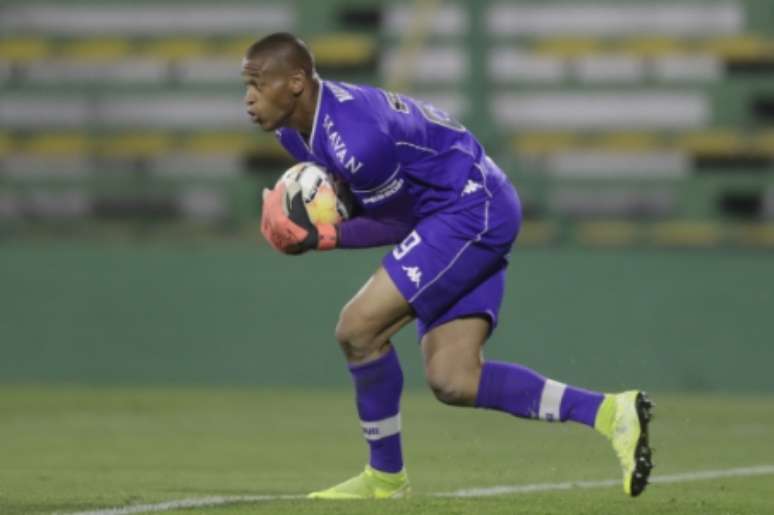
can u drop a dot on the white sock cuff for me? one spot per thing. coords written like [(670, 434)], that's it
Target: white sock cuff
[(378, 429), (551, 400)]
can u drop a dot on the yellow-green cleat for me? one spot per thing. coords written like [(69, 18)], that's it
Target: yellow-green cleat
[(369, 484), (623, 418)]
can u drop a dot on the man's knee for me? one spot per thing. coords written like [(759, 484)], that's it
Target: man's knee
[(356, 332), (453, 385)]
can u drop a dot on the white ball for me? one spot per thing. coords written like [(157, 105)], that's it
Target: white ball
[(326, 201)]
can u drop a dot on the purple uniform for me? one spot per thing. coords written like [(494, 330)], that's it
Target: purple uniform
[(420, 176)]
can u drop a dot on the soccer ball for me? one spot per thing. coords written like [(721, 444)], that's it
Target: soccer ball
[(325, 201)]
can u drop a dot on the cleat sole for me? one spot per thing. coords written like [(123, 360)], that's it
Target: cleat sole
[(642, 452)]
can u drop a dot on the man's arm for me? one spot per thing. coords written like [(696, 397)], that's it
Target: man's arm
[(374, 179), (386, 224), (364, 232), (294, 233)]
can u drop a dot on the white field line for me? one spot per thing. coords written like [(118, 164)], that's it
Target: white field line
[(202, 502), (571, 485)]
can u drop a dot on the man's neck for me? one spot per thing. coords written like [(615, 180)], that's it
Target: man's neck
[(303, 121)]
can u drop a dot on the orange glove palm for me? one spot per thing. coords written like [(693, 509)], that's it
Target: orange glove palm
[(293, 233)]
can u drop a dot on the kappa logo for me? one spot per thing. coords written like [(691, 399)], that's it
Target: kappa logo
[(471, 187), (414, 274)]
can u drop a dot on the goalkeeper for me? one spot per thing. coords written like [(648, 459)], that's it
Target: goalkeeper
[(424, 183)]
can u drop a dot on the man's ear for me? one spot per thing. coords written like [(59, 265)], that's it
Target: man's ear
[(297, 82)]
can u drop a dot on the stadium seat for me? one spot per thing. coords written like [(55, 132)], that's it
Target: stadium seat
[(176, 48), (542, 142), (58, 144), (740, 46), (650, 47), (6, 144), (23, 49), (608, 234), (136, 144), (686, 234), (97, 49), (343, 50), (568, 47), (716, 141)]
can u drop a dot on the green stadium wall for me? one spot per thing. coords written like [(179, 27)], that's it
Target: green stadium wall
[(237, 314)]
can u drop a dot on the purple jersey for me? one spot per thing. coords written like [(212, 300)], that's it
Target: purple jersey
[(402, 158)]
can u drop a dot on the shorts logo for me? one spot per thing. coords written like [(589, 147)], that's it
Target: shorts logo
[(411, 241), (414, 274)]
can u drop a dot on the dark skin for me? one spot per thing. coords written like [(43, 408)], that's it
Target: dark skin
[(279, 94)]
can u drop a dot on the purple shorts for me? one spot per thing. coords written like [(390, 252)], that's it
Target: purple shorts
[(453, 264)]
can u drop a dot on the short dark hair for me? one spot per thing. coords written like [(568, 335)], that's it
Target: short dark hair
[(287, 47)]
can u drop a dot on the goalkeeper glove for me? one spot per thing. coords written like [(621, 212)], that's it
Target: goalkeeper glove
[(286, 225)]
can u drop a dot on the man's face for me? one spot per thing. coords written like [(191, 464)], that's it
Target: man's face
[(269, 96)]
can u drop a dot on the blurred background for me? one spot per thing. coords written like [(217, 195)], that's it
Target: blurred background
[(640, 134)]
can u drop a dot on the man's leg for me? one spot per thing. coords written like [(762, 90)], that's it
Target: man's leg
[(371, 318), (365, 327), (459, 376)]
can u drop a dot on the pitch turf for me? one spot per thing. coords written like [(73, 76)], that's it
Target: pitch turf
[(73, 449)]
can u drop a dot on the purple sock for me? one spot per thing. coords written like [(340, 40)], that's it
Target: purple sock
[(378, 385), (522, 392)]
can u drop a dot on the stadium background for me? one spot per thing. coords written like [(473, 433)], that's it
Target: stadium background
[(639, 133)]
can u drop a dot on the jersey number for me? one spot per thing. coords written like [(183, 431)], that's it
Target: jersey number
[(431, 113), (411, 241)]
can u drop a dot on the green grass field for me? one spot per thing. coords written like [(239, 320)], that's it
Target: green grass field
[(70, 449)]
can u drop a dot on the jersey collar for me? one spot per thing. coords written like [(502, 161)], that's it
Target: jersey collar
[(318, 105)]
